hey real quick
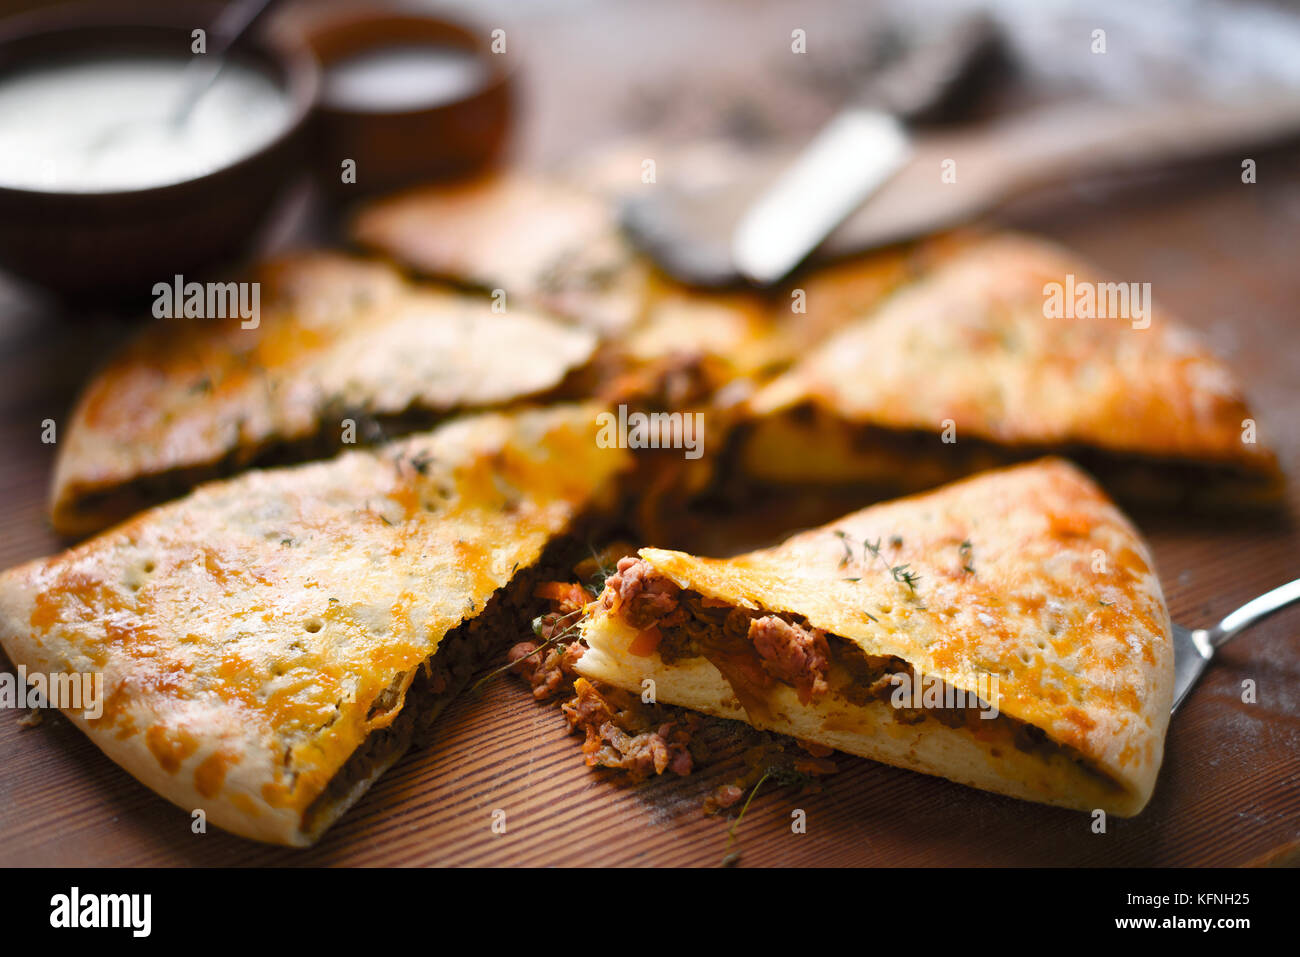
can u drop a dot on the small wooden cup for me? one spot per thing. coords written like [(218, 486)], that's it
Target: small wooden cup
[(116, 245), (393, 149)]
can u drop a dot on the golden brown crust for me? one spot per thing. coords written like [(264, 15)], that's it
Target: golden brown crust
[(553, 244), (245, 632), (338, 338), (542, 241), (970, 345), (1056, 596)]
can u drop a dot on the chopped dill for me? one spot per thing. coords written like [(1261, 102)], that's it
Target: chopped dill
[(732, 856), (966, 551), (848, 552), (596, 585), (900, 573)]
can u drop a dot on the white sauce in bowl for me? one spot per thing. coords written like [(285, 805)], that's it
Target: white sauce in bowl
[(105, 125), (412, 77)]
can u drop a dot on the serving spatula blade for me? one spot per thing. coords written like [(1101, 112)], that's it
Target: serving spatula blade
[(1192, 652)]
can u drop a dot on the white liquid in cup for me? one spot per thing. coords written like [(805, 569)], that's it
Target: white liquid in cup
[(397, 78)]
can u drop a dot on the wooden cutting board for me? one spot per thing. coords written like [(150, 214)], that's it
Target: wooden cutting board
[(1229, 792), (1218, 253)]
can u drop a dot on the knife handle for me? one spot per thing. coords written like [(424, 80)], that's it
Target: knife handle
[(1021, 154), (1054, 146), (942, 72)]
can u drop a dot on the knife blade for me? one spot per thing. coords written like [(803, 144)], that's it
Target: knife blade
[(846, 162)]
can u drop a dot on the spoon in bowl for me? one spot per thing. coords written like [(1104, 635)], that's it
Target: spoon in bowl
[(201, 73)]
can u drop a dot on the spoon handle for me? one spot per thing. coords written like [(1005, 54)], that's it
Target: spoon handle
[(233, 22)]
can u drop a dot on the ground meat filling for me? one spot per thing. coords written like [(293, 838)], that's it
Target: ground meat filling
[(625, 735), (754, 648), (548, 663), (548, 672), (750, 648), (637, 739), (621, 733), (645, 597), (793, 653)]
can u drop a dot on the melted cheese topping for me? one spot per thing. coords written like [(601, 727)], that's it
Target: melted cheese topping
[(1063, 605), (338, 339), (971, 343), (246, 631)]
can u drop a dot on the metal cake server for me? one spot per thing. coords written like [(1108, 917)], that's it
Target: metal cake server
[(763, 223), (1193, 649)]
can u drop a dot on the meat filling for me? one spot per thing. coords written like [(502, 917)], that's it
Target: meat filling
[(792, 653), (623, 734), (442, 676), (645, 597), (753, 648)]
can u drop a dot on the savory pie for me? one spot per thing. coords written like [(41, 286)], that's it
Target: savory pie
[(270, 644), (1006, 632), (542, 241), (344, 351), (557, 246), (964, 370)]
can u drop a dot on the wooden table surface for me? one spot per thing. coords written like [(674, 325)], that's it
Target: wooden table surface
[(1218, 253)]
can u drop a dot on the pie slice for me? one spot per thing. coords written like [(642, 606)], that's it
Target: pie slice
[(667, 347), (270, 644), (1007, 632), (558, 246), (964, 370), (344, 351), (542, 240)]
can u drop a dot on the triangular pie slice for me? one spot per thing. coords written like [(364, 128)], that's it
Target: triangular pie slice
[(344, 351), (969, 368), (554, 245), (1024, 589), (549, 243), (270, 644), (543, 240)]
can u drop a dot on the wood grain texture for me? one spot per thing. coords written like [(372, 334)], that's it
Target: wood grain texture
[(1229, 792), (1218, 253)]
